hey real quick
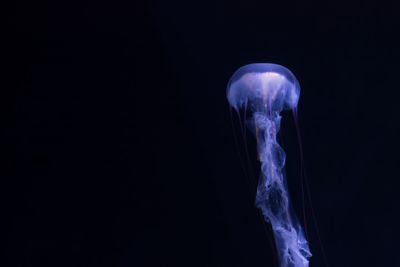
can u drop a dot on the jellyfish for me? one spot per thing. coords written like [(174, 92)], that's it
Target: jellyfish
[(264, 90)]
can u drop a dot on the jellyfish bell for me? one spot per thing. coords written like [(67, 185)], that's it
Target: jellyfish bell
[(263, 87), (262, 91)]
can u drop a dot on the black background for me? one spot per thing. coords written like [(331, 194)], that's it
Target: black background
[(117, 142)]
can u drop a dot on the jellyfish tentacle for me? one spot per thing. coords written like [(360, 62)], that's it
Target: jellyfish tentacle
[(272, 196)]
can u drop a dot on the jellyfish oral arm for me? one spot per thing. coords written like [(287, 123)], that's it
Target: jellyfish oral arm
[(272, 196)]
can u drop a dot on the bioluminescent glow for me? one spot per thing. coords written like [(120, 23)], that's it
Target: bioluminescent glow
[(265, 90)]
